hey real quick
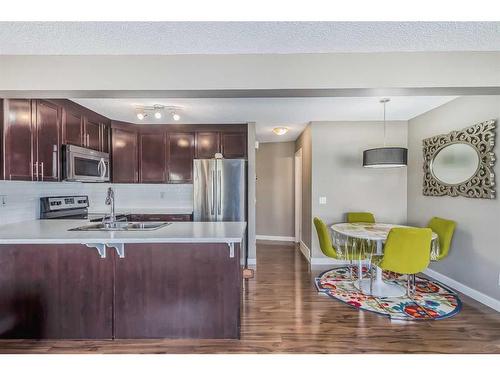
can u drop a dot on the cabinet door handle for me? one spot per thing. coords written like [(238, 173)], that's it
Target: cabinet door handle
[(88, 140), (41, 166), (54, 162), (35, 171)]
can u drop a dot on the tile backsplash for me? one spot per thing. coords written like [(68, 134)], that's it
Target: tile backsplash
[(22, 198)]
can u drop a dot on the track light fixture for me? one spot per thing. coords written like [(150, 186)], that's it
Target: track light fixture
[(157, 112)]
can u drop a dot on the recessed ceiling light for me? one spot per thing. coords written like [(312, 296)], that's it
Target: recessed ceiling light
[(280, 130), (140, 115), (158, 114), (176, 116)]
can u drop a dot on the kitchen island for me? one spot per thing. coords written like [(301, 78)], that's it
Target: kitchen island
[(182, 280)]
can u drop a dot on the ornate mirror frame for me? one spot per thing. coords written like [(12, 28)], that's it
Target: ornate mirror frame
[(482, 184)]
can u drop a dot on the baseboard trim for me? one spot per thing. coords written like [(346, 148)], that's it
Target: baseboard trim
[(275, 238), (472, 293), (305, 251)]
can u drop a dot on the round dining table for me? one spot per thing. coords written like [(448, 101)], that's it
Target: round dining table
[(373, 233)]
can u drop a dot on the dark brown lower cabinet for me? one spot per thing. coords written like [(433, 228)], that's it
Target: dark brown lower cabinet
[(155, 291), (177, 291), (55, 292)]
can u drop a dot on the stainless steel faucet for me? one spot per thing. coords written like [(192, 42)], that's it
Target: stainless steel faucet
[(110, 201)]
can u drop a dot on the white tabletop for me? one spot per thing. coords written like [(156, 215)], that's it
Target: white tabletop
[(368, 231)]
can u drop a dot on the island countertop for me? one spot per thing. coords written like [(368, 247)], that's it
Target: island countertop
[(57, 232)]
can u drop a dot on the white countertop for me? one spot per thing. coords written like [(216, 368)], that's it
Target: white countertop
[(56, 232)]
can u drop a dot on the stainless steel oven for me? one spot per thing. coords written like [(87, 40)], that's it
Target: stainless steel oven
[(84, 164)]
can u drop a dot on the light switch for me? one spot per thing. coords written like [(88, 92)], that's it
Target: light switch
[(322, 200)]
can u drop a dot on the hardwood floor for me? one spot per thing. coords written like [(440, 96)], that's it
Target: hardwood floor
[(283, 313)]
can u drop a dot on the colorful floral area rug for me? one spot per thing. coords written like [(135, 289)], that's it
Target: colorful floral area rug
[(432, 300)]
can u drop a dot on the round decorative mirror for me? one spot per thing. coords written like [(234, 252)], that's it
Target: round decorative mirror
[(455, 163)]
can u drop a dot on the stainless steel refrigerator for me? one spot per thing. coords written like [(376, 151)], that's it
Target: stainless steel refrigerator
[(220, 190)]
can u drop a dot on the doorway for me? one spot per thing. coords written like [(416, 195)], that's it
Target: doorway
[(298, 195)]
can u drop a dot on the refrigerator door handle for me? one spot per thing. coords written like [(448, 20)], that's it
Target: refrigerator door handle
[(214, 197), (219, 182)]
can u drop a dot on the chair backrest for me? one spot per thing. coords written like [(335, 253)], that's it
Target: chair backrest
[(444, 229), (325, 241), (407, 250), (360, 217)]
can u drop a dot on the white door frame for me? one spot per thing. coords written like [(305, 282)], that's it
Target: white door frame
[(298, 195)]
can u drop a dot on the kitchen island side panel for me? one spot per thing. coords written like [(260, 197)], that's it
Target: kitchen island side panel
[(178, 291), (55, 292)]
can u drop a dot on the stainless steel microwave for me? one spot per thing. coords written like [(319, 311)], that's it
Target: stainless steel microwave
[(84, 164)]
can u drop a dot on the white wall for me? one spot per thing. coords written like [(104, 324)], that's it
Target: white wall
[(338, 174), (217, 72), (275, 191), (474, 258), (252, 248), (22, 197)]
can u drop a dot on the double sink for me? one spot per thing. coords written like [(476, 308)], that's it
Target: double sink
[(123, 226)]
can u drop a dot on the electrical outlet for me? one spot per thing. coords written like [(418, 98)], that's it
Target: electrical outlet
[(322, 200)]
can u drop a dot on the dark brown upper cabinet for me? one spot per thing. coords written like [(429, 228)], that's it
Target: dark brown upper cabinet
[(124, 154), (180, 155), (72, 127), (32, 140), (105, 137), (229, 144), (92, 135), (207, 144), (234, 145), (18, 140), (152, 157), (83, 127), (47, 120)]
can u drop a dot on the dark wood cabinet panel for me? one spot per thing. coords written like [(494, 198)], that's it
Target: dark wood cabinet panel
[(180, 155), (72, 128), (124, 156), (2, 120), (92, 135), (234, 145), (152, 158), (56, 292), (47, 122), (105, 137), (154, 297), (19, 140), (207, 144)]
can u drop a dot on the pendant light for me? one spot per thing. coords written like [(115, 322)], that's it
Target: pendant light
[(385, 157)]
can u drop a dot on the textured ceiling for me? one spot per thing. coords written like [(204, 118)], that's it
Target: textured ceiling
[(268, 113), (88, 38)]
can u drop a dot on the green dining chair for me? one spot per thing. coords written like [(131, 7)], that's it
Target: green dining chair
[(360, 217), (406, 251), (326, 245), (444, 229)]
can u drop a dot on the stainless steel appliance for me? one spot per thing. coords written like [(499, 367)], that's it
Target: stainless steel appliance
[(84, 164), (220, 190), (68, 207)]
